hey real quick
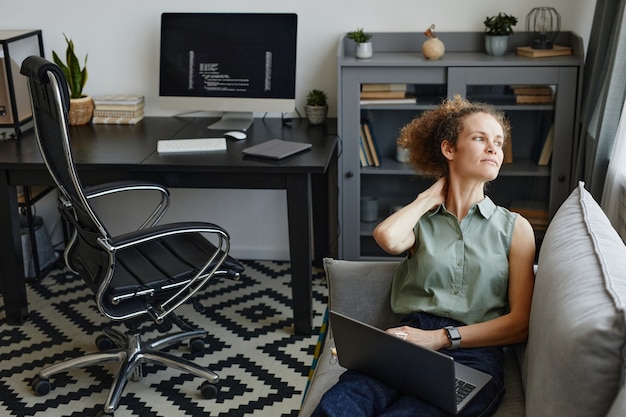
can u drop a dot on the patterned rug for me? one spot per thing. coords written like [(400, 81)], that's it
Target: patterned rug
[(263, 366)]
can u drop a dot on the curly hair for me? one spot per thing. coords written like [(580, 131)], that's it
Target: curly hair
[(423, 136)]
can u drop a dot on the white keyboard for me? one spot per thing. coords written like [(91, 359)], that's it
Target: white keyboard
[(191, 145)]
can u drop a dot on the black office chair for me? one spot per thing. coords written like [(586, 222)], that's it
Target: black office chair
[(135, 277)]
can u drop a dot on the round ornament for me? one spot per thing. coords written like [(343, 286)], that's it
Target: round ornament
[(432, 48)]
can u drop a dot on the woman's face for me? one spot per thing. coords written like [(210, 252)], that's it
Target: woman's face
[(479, 149)]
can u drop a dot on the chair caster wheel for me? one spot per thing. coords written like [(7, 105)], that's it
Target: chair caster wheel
[(103, 414), (137, 374), (196, 345), (104, 343), (40, 386), (208, 390)]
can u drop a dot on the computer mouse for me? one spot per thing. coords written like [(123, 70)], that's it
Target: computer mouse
[(235, 134)]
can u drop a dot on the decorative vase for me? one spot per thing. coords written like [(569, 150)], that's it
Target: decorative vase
[(496, 45), (81, 111), (364, 50), (433, 48), (316, 114)]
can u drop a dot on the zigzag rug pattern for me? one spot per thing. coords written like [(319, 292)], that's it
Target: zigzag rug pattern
[(263, 366)]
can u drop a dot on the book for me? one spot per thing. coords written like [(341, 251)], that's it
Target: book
[(535, 90), (534, 99), (119, 99), (121, 107), (118, 113), (406, 100), (557, 50), (542, 148), (546, 151), (383, 87), (536, 212), (368, 152), (508, 151), (372, 95), (119, 102), (116, 120), (362, 155), (371, 143)]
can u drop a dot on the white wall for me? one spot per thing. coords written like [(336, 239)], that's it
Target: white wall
[(122, 40)]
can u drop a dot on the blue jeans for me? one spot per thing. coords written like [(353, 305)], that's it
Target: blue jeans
[(356, 394)]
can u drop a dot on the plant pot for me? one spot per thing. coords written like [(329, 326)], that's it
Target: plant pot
[(316, 114), (364, 50), (496, 45), (81, 111)]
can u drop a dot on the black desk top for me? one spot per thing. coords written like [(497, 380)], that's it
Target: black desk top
[(124, 145)]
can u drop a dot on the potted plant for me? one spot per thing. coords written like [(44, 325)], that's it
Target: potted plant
[(316, 106), (363, 43), (81, 105), (497, 31)]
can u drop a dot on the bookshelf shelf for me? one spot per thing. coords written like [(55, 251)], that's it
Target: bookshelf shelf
[(538, 95)]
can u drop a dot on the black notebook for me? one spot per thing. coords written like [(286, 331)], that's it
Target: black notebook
[(276, 149)]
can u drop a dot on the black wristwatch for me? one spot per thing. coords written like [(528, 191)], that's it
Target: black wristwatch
[(455, 337)]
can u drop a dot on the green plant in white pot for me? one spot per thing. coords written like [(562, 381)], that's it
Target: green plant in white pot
[(316, 106), (363, 43), (497, 31), (81, 105)]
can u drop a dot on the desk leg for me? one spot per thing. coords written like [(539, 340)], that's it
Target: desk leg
[(325, 224), (11, 260), (299, 215)]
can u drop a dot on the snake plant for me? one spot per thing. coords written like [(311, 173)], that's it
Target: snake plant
[(75, 75)]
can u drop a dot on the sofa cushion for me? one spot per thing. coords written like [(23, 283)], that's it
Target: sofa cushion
[(574, 359)]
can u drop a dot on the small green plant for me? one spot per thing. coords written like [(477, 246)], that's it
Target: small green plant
[(359, 36), (75, 75), (317, 98), (500, 25)]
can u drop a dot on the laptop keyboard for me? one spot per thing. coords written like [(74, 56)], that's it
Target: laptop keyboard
[(463, 389)]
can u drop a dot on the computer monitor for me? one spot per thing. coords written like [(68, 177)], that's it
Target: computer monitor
[(234, 63)]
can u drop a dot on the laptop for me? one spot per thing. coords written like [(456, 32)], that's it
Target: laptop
[(276, 149), (423, 373)]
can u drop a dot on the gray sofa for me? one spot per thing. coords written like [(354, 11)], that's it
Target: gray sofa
[(574, 362)]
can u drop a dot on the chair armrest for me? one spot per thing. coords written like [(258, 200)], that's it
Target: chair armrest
[(109, 188), (139, 236)]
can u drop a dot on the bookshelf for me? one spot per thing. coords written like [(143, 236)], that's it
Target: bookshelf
[(541, 97)]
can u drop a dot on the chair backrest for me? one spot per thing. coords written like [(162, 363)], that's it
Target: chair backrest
[(50, 103)]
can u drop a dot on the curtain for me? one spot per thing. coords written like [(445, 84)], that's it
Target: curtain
[(614, 194), (604, 91)]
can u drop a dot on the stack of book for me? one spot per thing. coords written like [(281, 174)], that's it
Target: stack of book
[(385, 94), (557, 50), (369, 154), (533, 94), (118, 109), (536, 212)]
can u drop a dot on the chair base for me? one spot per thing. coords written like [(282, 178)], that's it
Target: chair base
[(131, 355)]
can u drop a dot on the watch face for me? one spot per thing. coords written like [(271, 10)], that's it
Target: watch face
[(453, 333)]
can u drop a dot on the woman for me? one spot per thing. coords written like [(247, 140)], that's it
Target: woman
[(466, 283)]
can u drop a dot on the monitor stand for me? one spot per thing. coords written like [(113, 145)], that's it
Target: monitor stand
[(233, 121)]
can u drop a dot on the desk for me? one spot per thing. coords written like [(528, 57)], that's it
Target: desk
[(105, 153)]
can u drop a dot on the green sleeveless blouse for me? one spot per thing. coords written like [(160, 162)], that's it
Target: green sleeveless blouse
[(458, 270)]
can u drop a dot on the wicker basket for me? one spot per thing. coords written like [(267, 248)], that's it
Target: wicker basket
[(81, 111)]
